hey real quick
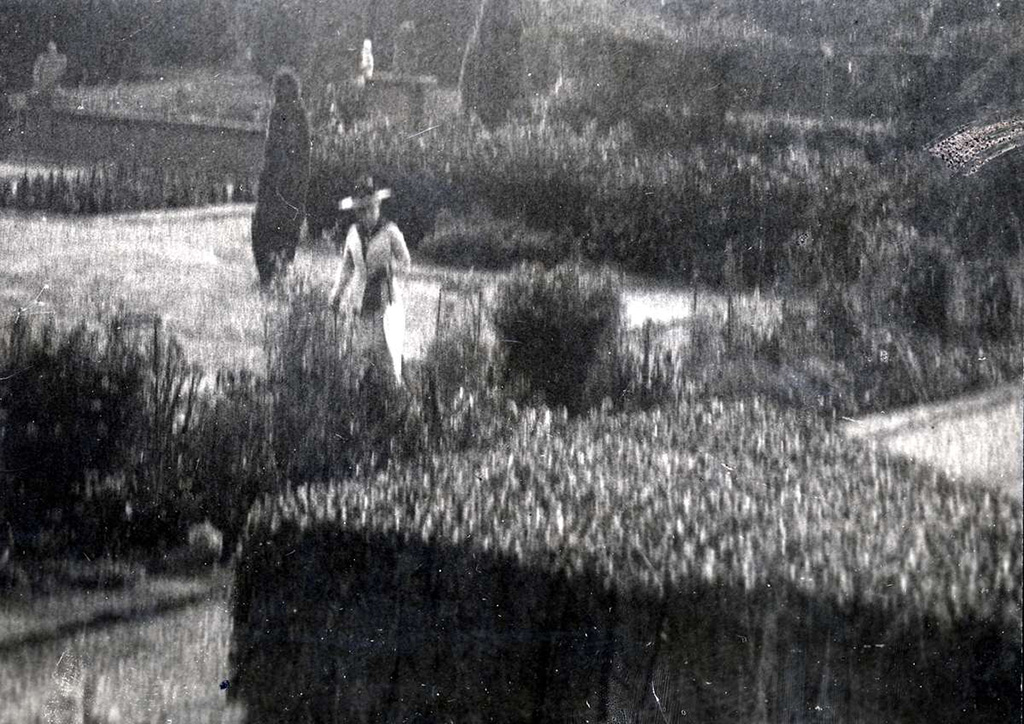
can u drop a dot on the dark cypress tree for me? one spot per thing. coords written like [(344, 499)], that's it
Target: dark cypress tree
[(493, 67), (284, 180)]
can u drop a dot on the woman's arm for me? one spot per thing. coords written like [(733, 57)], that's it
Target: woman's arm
[(400, 259), (347, 265)]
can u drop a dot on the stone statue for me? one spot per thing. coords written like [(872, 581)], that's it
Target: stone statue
[(47, 72), (366, 62)]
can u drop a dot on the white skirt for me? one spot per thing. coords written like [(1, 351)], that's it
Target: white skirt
[(381, 336)]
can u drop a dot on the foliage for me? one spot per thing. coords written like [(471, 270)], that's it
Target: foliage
[(176, 446), (553, 329), (111, 40), (463, 404), (721, 531), (331, 410), (845, 355)]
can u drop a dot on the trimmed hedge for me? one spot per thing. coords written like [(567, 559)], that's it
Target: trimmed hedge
[(732, 561)]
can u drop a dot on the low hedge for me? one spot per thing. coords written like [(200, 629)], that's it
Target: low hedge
[(119, 189), (732, 562)]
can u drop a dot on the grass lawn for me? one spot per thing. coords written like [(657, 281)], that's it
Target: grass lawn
[(194, 269), (191, 268), (154, 653)]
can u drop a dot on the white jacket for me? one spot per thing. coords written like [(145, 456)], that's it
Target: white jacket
[(386, 248)]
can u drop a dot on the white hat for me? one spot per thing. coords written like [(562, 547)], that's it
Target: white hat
[(364, 194)]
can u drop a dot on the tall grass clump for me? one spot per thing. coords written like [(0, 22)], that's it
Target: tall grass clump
[(102, 428), (555, 329), (331, 409)]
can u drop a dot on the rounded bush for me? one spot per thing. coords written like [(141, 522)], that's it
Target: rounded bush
[(552, 327)]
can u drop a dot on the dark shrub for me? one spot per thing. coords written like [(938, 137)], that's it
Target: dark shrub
[(552, 329), (102, 438), (71, 406)]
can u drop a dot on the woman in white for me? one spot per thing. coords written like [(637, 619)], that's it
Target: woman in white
[(367, 284)]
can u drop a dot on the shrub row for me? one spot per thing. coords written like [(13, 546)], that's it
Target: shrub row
[(531, 578), (481, 241), (799, 206), (122, 188)]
